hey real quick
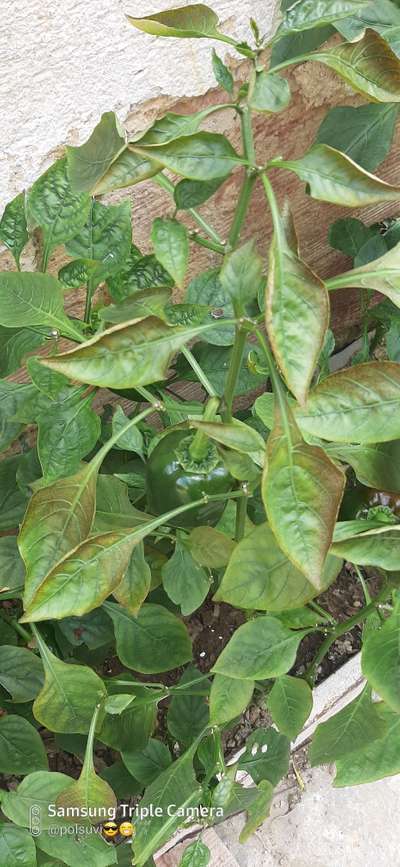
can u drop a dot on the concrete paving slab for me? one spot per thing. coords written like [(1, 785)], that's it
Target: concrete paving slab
[(355, 827)]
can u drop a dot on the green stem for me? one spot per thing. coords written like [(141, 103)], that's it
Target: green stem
[(233, 373), (363, 583), (342, 629), (301, 58), (241, 515), (210, 245), (199, 372), (165, 183), (199, 446), (148, 396), (250, 178), (324, 614), (101, 454), (90, 290), (27, 636)]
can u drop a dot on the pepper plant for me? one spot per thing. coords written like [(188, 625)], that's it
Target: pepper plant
[(116, 528)]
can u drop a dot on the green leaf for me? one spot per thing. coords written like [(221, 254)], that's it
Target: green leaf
[(21, 673), (209, 547), (369, 66), (290, 704), (349, 235), (266, 756), (114, 509), (132, 440), (214, 361), (222, 74), (69, 695), (12, 570), (185, 582), (204, 156), (15, 344), (237, 436), (271, 93), (229, 698), (258, 810), (40, 788), (53, 205), (171, 246), (365, 133), (196, 22), (191, 194), (105, 238), (22, 749), (241, 275), (89, 164), (380, 659), (302, 490), (260, 577), (298, 43), (358, 723), (297, 310), (125, 356), (376, 466), (316, 13), (173, 126), (379, 546), (89, 794), (153, 642), (145, 765), (17, 847), (67, 432), (49, 383), (207, 289), (176, 785), (138, 273), (12, 396), (259, 649), (371, 250), (381, 275), (88, 849), (382, 17), (136, 583), (189, 714), (59, 517), (333, 177), (120, 780), (135, 724), (358, 405), (12, 500), (196, 855), (13, 228), (377, 759), (34, 299)]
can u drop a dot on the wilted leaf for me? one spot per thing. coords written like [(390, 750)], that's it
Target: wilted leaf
[(381, 275), (137, 353), (204, 156), (304, 14), (358, 405), (369, 66), (333, 177), (302, 491), (195, 22), (297, 310)]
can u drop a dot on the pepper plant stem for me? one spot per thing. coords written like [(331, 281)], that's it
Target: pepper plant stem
[(199, 446), (199, 372), (234, 370), (205, 242), (342, 629), (241, 515)]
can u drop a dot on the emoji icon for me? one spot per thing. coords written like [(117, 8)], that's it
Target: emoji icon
[(126, 829), (110, 829)]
